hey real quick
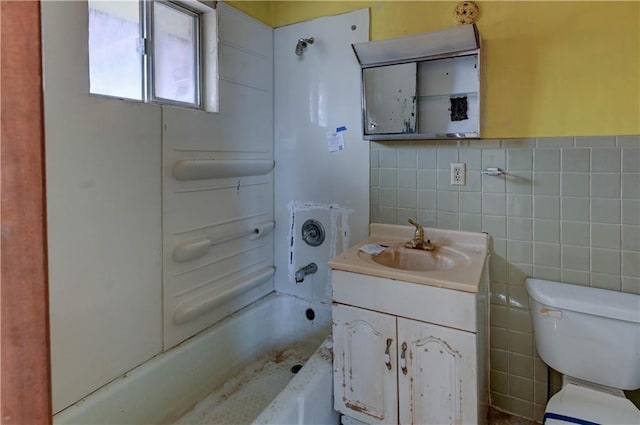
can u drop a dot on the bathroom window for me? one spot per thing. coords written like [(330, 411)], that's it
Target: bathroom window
[(150, 51)]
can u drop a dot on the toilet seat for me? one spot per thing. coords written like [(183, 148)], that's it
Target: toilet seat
[(576, 404)]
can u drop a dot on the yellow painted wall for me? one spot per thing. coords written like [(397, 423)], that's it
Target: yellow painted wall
[(551, 68), (260, 10)]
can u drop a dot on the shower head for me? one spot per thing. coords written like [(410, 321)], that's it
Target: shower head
[(302, 44)]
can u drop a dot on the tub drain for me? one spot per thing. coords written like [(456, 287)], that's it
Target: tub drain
[(296, 368), (310, 314)]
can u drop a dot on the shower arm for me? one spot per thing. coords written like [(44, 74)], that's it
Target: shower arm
[(302, 44)]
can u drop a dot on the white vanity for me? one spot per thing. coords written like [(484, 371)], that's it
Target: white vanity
[(410, 329)]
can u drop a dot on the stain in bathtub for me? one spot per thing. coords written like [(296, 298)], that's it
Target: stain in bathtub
[(326, 354), (279, 357), (233, 387)]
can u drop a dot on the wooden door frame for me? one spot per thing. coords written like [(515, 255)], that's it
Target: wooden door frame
[(25, 377)]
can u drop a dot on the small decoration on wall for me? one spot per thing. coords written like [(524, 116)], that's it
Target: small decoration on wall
[(459, 108), (466, 12)]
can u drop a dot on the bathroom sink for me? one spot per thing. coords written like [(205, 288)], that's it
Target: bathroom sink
[(399, 257), (456, 263)]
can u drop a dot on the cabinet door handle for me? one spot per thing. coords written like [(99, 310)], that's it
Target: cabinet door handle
[(403, 358), (387, 359)]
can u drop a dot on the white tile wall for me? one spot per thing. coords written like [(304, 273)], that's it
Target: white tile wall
[(568, 209)]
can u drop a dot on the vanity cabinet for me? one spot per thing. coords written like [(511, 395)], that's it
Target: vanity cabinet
[(396, 365), (389, 369)]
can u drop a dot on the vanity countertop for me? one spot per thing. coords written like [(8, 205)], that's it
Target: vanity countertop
[(458, 260)]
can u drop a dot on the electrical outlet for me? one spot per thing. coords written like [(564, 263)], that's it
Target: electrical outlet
[(458, 174)]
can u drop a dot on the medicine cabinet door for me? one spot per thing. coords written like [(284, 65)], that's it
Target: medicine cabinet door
[(448, 96), (390, 99)]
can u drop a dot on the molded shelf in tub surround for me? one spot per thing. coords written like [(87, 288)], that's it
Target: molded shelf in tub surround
[(195, 248), (191, 309), (201, 169), (464, 277)]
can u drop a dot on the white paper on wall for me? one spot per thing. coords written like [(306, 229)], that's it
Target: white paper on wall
[(335, 139)]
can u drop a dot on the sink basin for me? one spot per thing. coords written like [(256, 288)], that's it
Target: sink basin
[(457, 262), (413, 259), (399, 257)]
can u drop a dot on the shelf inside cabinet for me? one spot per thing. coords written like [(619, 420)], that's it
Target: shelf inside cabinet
[(448, 95)]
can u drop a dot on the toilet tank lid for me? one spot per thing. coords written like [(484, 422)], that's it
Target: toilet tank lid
[(584, 299)]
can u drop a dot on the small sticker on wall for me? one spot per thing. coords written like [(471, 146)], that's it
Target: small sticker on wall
[(335, 139)]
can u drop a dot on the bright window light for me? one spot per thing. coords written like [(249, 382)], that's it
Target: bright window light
[(175, 59), (115, 60)]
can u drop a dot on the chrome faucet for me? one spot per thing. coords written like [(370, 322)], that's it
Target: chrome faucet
[(310, 268), (418, 239)]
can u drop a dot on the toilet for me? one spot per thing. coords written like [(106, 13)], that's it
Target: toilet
[(592, 337)]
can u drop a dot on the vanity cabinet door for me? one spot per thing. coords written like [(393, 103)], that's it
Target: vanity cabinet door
[(365, 365), (438, 384)]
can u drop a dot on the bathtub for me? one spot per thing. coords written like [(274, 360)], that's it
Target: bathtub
[(228, 374)]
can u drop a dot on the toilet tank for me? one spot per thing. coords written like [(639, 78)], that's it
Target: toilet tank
[(588, 333)]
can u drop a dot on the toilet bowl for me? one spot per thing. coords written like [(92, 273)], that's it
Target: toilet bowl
[(592, 337)]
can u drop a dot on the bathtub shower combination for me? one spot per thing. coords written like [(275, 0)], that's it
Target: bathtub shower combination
[(213, 317), (269, 363), (253, 377)]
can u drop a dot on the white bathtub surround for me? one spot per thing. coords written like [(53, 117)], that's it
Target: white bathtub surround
[(104, 220), (165, 388), (314, 94), (334, 219), (120, 200), (218, 186), (131, 185)]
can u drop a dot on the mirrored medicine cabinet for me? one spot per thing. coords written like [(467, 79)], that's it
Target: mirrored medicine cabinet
[(424, 86)]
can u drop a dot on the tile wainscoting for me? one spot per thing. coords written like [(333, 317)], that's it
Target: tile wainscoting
[(567, 209)]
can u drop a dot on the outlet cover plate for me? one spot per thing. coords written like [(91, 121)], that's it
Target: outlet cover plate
[(458, 174)]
